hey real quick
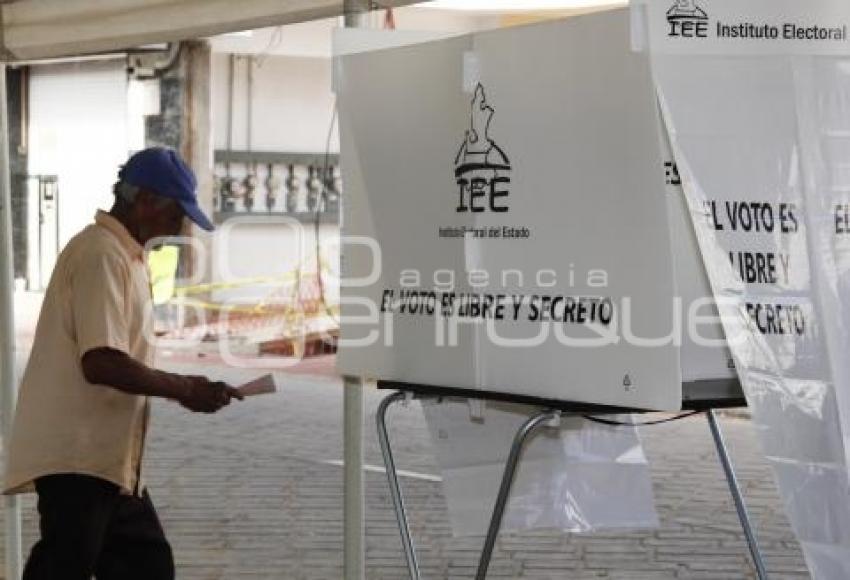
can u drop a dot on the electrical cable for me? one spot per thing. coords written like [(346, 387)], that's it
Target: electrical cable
[(613, 423), (389, 22), (323, 200), (274, 42)]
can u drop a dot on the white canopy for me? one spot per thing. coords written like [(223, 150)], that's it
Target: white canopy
[(41, 29), (34, 29)]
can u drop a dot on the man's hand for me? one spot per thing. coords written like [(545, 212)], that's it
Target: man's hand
[(116, 369), (204, 396)]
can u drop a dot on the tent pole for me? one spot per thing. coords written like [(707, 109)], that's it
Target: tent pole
[(356, 13), (7, 334), (354, 553)]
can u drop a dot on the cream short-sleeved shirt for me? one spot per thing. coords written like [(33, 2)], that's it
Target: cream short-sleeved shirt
[(98, 296)]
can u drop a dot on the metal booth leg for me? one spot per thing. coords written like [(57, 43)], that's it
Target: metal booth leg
[(735, 489), (525, 431), (528, 428), (395, 486)]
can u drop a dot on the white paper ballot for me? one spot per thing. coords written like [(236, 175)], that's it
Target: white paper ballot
[(260, 386)]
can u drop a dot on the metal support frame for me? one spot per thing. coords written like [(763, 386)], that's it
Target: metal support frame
[(737, 496), (522, 435), (527, 430), (395, 486)]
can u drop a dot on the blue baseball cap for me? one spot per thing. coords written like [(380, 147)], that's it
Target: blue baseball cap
[(162, 172)]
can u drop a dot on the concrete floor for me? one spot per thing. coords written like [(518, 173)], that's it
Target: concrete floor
[(256, 492)]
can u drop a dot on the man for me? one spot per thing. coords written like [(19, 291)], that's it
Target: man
[(82, 414)]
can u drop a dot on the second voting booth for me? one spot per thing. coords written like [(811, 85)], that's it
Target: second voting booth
[(618, 212)]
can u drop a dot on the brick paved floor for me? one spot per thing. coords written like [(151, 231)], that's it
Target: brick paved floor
[(254, 492)]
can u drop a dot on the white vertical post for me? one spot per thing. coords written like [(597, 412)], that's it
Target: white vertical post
[(8, 389), (353, 549), (356, 16)]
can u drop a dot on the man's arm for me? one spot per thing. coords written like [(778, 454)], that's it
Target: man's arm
[(113, 368)]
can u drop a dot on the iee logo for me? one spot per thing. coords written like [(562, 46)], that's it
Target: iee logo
[(687, 20)]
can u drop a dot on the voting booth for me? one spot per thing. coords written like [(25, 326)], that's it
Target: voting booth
[(624, 211), (514, 225), (515, 230)]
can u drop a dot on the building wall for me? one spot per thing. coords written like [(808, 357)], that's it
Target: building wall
[(291, 111), (78, 131), (292, 104), (244, 252), (82, 128)]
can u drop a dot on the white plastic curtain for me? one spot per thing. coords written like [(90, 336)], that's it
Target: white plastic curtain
[(761, 137)]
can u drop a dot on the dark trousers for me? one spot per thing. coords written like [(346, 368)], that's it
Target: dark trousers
[(89, 529)]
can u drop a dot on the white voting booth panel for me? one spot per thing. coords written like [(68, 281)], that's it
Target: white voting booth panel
[(509, 227), (585, 476), (707, 358), (755, 98)]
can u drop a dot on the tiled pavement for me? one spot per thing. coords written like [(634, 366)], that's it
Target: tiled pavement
[(254, 492)]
